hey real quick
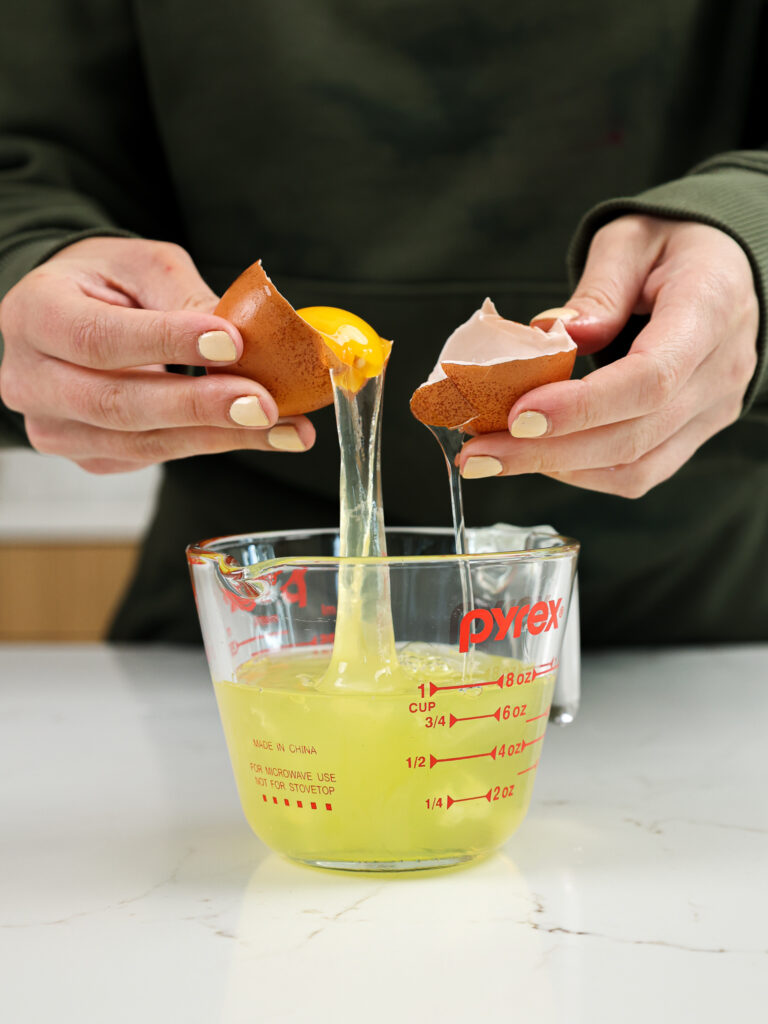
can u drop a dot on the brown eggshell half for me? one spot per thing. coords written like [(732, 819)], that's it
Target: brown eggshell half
[(491, 391), (440, 404), (281, 351)]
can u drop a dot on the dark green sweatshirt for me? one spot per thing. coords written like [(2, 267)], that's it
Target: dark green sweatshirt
[(404, 159)]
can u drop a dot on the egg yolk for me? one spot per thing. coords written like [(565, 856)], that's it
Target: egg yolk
[(352, 341)]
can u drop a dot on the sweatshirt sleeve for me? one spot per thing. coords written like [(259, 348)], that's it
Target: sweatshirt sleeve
[(79, 154), (729, 192)]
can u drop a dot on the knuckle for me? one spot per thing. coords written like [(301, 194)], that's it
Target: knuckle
[(11, 315), (631, 228), (634, 482), (110, 405), (194, 409), (13, 392), (632, 447), (741, 367), (168, 256), (148, 446), (718, 284), (89, 334), (201, 400), (41, 436), (733, 412), (164, 339), (664, 379), (197, 299), (603, 293), (583, 411)]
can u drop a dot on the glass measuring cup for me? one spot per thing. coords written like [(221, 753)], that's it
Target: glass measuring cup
[(427, 761)]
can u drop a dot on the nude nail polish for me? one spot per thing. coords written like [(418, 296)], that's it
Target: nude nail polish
[(529, 424), (547, 317), (285, 438), (479, 466), (216, 346), (247, 411)]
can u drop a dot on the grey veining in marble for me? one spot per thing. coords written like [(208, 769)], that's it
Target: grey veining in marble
[(131, 888)]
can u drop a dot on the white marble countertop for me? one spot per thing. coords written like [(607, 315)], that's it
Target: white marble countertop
[(131, 888)]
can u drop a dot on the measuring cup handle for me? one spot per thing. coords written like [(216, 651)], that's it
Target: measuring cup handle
[(567, 694)]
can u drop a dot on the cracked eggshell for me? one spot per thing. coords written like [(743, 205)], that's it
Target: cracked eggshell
[(281, 351), (485, 366)]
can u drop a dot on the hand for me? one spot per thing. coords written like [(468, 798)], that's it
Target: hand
[(629, 425), (87, 337)]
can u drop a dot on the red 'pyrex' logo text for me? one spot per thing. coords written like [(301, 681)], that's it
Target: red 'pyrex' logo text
[(539, 618)]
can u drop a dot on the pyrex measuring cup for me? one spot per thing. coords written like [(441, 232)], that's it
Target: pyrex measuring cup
[(425, 760)]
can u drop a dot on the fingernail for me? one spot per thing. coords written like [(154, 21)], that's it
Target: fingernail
[(216, 346), (479, 466), (247, 411), (529, 424), (286, 439), (564, 313)]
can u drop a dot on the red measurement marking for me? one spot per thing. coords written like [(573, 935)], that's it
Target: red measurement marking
[(528, 769), (234, 645), (321, 638), (463, 799), (548, 666), (433, 687), (472, 718), (464, 757), (299, 803), (529, 743), (537, 717)]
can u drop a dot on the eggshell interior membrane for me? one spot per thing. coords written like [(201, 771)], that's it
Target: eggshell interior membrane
[(485, 366), (281, 351)]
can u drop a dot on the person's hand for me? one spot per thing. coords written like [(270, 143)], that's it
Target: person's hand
[(629, 425), (88, 335)]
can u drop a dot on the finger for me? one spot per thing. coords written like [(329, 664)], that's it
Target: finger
[(79, 441), (659, 364), (620, 443), (100, 335), (145, 399), (624, 441), (104, 467), (637, 479), (620, 258)]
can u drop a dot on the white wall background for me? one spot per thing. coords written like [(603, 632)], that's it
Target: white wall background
[(48, 498)]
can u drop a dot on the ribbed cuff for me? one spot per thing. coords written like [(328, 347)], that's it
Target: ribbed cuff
[(729, 192)]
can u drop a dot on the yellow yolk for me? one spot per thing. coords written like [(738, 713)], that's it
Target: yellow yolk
[(352, 341)]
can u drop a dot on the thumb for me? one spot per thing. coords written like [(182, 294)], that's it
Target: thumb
[(619, 260)]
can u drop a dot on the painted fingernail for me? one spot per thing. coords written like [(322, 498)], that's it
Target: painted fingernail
[(286, 439), (216, 346), (529, 424), (547, 317), (247, 411), (479, 466)]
